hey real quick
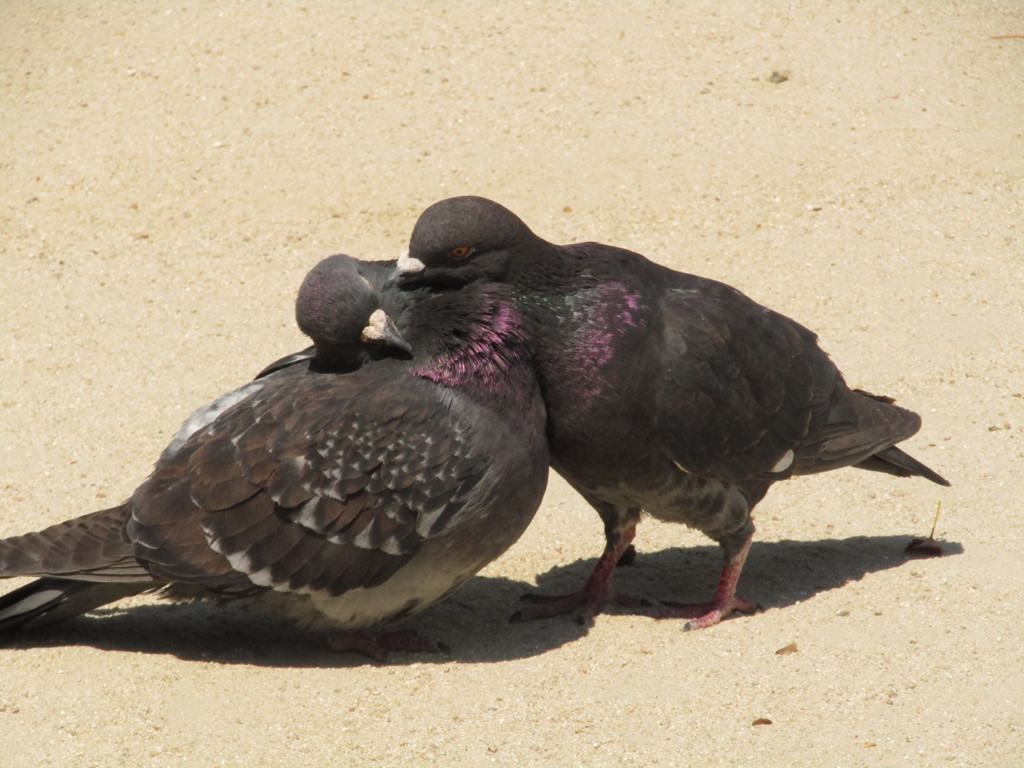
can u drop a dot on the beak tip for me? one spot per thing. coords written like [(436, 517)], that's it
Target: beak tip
[(381, 329)]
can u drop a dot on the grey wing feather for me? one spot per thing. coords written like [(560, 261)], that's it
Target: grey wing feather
[(298, 491), (746, 381)]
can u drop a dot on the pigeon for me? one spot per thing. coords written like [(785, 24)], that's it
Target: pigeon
[(348, 487), (666, 392)]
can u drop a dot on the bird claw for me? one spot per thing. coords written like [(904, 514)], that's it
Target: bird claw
[(704, 615)]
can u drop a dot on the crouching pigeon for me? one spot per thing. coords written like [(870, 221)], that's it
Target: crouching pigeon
[(351, 486), (665, 392)]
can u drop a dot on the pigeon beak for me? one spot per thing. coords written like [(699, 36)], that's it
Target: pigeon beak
[(381, 329), (407, 265)]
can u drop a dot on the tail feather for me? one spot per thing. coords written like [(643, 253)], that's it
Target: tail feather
[(93, 547), (85, 562), (862, 430), (894, 461), (49, 600)]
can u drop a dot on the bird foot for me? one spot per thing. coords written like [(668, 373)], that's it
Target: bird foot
[(723, 604), (704, 615), (586, 602), (596, 593), (378, 646)]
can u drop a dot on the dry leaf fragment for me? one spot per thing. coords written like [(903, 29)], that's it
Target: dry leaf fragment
[(762, 721), (924, 548), (787, 649)]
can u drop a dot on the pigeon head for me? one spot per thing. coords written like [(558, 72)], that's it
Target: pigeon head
[(461, 239), (341, 311)]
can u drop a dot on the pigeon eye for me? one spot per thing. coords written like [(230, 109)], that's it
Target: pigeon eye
[(461, 252)]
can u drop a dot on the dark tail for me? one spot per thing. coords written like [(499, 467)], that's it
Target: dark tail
[(893, 461), (85, 562), (862, 430), (49, 600)]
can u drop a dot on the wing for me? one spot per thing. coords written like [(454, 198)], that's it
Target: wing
[(744, 382), (854, 427), (752, 394), (318, 482)]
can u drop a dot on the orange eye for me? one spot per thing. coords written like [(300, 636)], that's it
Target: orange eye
[(461, 252)]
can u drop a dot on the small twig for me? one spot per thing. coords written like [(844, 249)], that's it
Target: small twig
[(1005, 37), (927, 547), (938, 508)]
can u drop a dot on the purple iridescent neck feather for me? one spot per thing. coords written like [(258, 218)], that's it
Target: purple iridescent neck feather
[(482, 358)]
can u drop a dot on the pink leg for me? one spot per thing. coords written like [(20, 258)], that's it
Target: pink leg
[(724, 603), (377, 647), (594, 594)]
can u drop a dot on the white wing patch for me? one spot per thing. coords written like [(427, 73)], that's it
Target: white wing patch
[(785, 462), (242, 563)]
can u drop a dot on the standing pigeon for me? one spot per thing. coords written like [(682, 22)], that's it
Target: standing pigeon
[(347, 488), (666, 392)]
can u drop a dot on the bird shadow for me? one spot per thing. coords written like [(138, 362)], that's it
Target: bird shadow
[(474, 622)]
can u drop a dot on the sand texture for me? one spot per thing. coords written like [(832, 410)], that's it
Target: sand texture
[(170, 171)]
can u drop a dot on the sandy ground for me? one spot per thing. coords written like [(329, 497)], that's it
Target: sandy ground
[(170, 172)]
